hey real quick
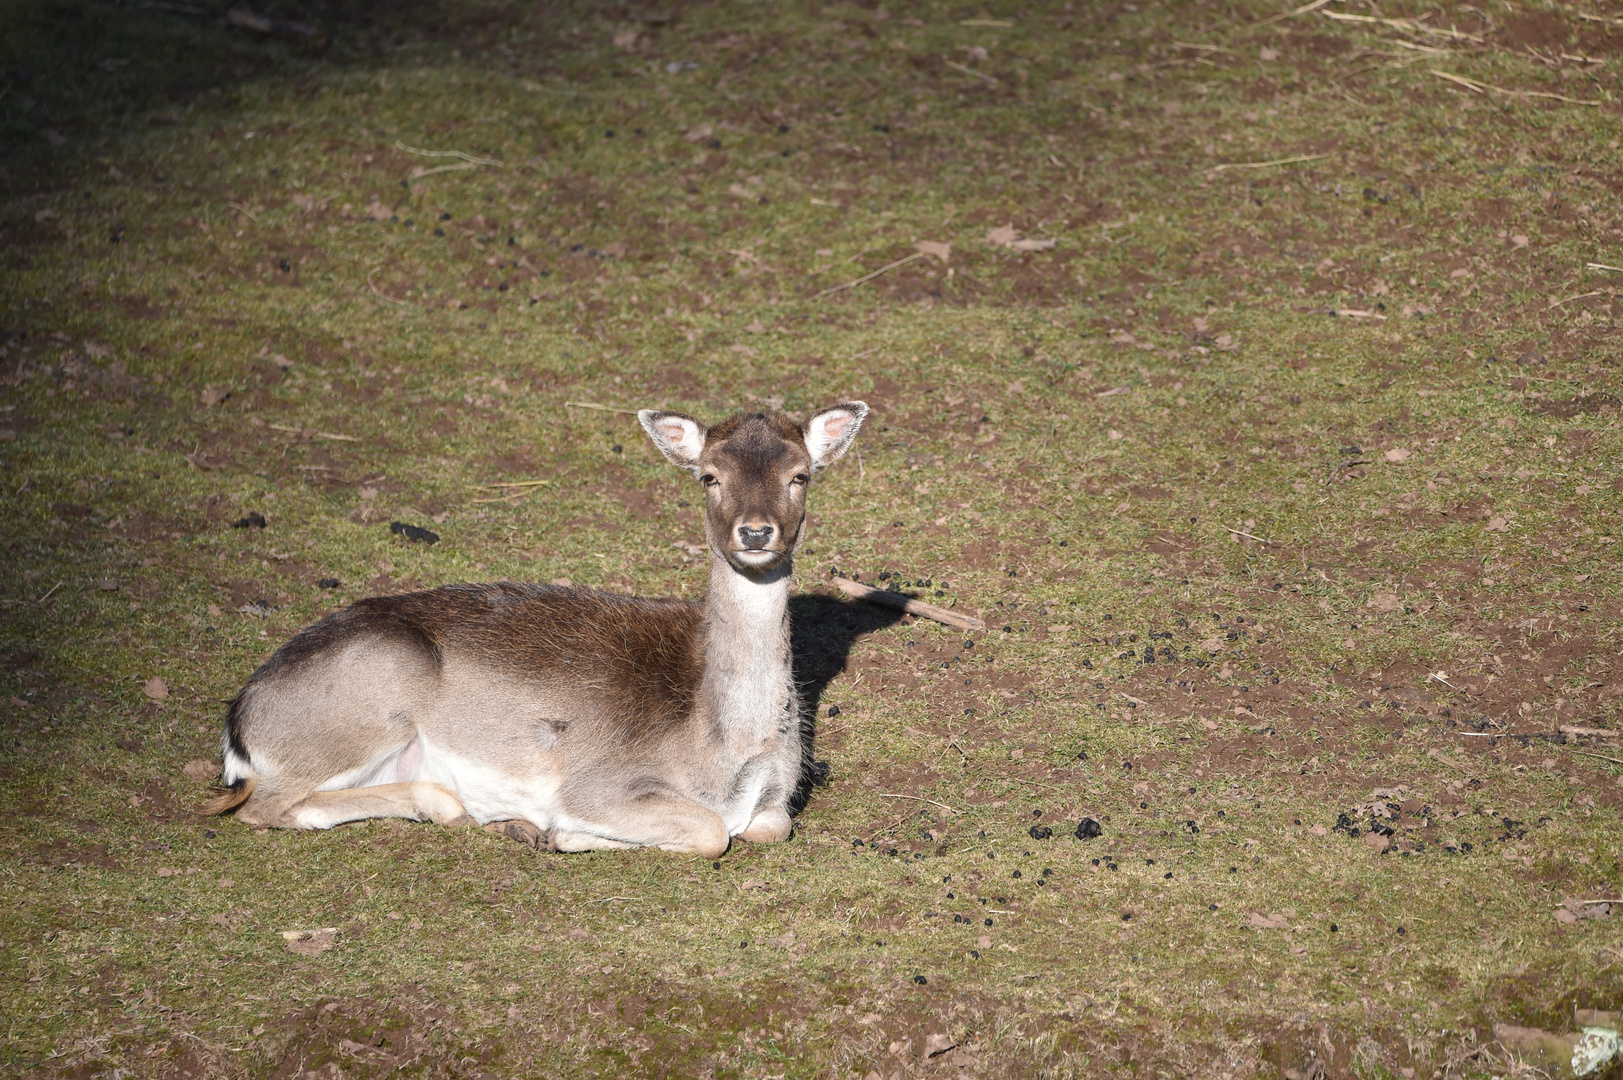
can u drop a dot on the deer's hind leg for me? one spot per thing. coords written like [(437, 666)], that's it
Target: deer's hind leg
[(417, 800)]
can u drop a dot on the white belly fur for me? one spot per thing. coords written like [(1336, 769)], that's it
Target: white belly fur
[(489, 794)]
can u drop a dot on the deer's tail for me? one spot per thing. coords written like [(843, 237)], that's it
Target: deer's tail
[(228, 797)]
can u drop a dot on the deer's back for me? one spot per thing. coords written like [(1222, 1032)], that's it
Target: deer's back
[(623, 657)]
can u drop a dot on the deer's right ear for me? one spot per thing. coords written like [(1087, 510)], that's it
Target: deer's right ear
[(680, 438)]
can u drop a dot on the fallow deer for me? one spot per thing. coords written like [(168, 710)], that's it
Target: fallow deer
[(605, 721)]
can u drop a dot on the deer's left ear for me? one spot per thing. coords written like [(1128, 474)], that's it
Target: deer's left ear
[(831, 432), (680, 438)]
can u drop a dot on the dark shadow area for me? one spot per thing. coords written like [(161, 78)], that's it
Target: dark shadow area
[(823, 631), (81, 80)]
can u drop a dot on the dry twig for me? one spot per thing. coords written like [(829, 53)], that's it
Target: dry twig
[(859, 591), (1482, 87), (870, 277), (917, 798), (599, 408), (1265, 164)]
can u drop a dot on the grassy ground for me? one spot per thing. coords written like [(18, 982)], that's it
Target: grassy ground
[(1289, 492)]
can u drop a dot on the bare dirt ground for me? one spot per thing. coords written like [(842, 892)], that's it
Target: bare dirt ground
[(1251, 370)]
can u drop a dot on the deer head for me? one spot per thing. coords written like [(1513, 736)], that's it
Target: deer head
[(755, 470)]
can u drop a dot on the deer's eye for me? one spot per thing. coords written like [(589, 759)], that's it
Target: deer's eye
[(800, 478), (708, 480)]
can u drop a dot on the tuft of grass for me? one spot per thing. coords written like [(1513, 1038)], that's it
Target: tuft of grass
[(1284, 480)]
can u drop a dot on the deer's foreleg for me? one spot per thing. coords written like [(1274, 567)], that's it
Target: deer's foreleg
[(651, 820)]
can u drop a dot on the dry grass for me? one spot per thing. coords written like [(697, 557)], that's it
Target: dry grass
[(1287, 493)]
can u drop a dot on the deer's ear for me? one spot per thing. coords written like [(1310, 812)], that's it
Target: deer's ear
[(831, 432), (680, 438)]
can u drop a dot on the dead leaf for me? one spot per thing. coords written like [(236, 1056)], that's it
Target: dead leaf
[(1003, 235), (1276, 921), (1269, 53), (756, 327), (212, 397), (751, 883), (938, 1044), (1377, 841), (155, 688), (615, 249), (1562, 915), (202, 768), (1224, 343), (627, 38), (1518, 240), (698, 133), (739, 191), (1498, 523), (1384, 601), (781, 941), (1319, 830), (1212, 644), (310, 942), (378, 212), (1398, 453), (1033, 245)]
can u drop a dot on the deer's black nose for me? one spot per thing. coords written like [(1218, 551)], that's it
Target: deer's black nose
[(755, 538)]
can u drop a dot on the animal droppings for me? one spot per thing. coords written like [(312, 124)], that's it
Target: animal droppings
[(1087, 829), (253, 519), (415, 533)]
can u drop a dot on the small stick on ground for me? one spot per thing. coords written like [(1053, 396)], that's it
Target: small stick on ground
[(858, 591), (469, 158), (1347, 464), (1603, 757), (1482, 87), (967, 70), (870, 277), (1603, 266), (1248, 536), (1265, 164), (1569, 729), (599, 408), (917, 798), (1570, 299), (1282, 16)]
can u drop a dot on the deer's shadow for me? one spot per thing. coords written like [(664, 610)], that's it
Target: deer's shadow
[(822, 633)]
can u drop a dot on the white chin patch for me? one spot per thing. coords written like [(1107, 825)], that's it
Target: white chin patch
[(756, 558)]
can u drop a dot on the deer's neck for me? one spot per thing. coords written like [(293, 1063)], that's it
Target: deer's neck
[(747, 682)]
